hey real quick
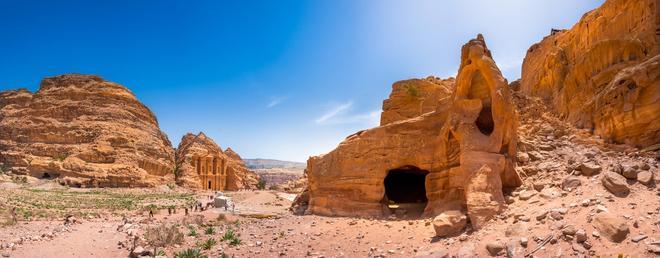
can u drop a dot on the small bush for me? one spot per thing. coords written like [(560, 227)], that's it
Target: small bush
[(163, 235), (231, 237), (190, 253), (261, 185), (60, 156), (209, 231), (208, 244), (193, 232)]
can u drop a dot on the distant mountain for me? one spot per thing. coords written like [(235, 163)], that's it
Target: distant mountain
[(276, 172), (273, 163)]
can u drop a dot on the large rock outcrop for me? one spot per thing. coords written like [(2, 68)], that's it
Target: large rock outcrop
[(414, 97), (83, 131), (456, 157), (604, 73), (201, 164)]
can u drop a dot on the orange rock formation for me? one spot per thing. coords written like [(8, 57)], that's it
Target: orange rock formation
[(83, 131), (440, 149), (603, 74), (201, 164)]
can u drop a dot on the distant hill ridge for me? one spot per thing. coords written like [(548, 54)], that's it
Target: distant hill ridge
[(273, 163)]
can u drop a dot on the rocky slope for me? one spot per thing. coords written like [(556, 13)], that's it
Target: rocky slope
[(84, 131), (604, 73), (201, 164)]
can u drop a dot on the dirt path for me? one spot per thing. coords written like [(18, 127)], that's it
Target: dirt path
[(89, 239)]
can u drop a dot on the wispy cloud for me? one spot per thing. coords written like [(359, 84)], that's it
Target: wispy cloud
[(275, 101), (334, 111), (340, 114)]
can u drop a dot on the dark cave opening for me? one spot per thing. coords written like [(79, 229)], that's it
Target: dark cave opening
[(485, 121)]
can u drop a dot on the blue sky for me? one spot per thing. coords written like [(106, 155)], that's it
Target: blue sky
[(271, 79)]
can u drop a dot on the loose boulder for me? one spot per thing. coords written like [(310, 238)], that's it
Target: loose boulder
[(613, 228), (449, 223), (615, 183)]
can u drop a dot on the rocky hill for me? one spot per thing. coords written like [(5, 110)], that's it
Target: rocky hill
[(85, 132)]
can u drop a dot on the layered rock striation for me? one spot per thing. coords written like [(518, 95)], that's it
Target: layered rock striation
[(201, 164), (85, 132), (604, 73), (452, 158)]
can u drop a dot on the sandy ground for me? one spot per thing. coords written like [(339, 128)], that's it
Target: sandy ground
[(267, 229)]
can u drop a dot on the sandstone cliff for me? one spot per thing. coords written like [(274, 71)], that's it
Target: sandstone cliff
[(604, 73), (201, 164), (453, 158), (83, 131)]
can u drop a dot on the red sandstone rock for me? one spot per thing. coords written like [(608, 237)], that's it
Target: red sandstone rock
[(457, 156), (201, 164), (604, 73), (85, 132)]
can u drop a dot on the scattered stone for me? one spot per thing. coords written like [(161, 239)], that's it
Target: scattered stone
[(638, 238), (570, 183), (556, 215), (523, 157), (580, 236), (629, 172), (449, 223), (645, 177), (613, 228), (569, 230), (590, 168), (542, 215), (615, 183), (494, 248), (526, 195)]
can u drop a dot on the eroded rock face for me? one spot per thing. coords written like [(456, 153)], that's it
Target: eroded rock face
[(84, 131), (604, 73), (455, 158), (201, 164), (414, 97)]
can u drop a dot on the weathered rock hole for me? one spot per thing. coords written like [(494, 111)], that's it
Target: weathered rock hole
[(485, 121), (46, 176), (405, 190)]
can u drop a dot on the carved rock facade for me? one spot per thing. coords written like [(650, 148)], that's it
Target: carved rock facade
[(201, 164), (456, 157), (85, 132), (604, 73)]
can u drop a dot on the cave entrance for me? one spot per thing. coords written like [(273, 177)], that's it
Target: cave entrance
[(485, 121), (46, 176), (405, 191)]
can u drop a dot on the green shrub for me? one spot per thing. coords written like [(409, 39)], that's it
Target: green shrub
[(209, 231), (208, 244), (231, 237), (190, 253), (261, 185), (193, 232)]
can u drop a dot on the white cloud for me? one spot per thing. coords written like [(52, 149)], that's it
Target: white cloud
[(275, 101), (339, 114), (334, 111)]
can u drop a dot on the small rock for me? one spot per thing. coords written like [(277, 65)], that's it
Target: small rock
[(629, 172), (494, 248), (449, 223), (645, 177), (569, 230), (612, 227), (638, 238), (541, 215), (466, 251), (615, 183), (526, 195), (523, 157), (524, 241), (570, 183), (556, 215), (590, 168), (580, 236)]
